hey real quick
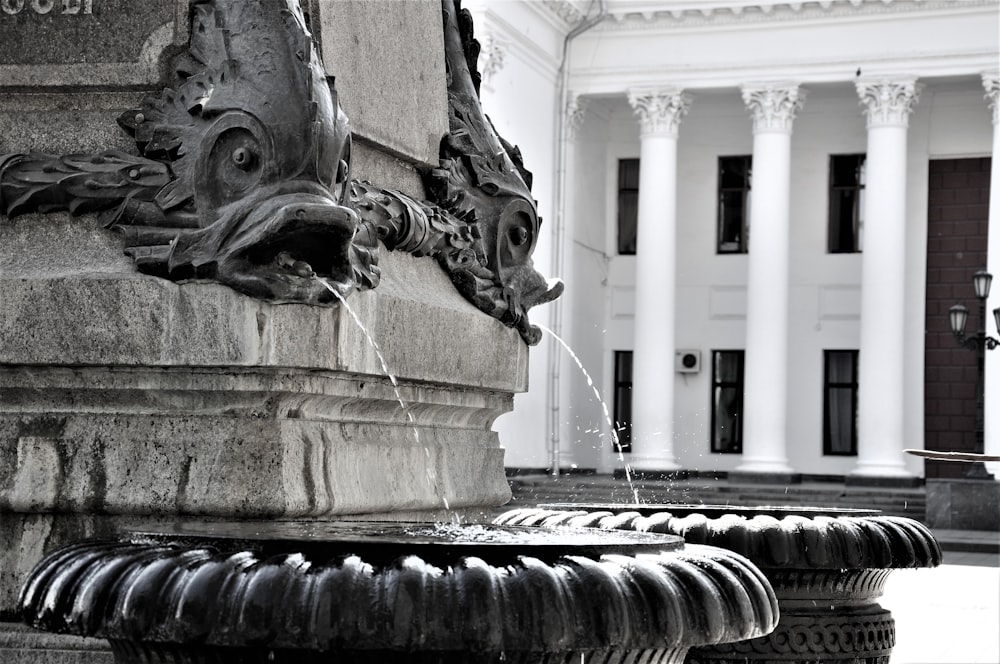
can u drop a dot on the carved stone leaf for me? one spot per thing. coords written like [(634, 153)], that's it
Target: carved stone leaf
[(77, 183)]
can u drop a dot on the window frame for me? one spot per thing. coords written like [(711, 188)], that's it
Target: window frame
[(621, 240), (622, 407), (828, 386), (744, 191), (738, 385), (835, 195)]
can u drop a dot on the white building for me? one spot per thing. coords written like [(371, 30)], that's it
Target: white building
[(813, 196)]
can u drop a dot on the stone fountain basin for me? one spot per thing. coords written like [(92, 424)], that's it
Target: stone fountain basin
[(773, 537), (828, 568), (377, 591)]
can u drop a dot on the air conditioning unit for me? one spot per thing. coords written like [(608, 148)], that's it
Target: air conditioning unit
[(687, 360)]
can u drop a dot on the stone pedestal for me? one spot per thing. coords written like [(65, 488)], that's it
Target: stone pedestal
[(963, 504), (123, 394)]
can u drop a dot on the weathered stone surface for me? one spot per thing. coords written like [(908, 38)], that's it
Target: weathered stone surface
[(250, 464), (87, 42), (23, 645), (402, 107), (963, 504), (70, 298)]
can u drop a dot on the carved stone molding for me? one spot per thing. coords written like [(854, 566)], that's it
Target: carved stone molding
[(492, 53), (991, 83), (567, 11), (888, 102), (576, 110), (650, 16), (773, 105), (660, 110)]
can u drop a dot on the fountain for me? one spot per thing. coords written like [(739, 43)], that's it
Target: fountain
[(185, 426), (828, 568)]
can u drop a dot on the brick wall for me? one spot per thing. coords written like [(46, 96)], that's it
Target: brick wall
[(958, 202)]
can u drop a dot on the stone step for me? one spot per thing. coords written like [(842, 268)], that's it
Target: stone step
[(908, 502)]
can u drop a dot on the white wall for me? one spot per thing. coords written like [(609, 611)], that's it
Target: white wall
[(520, 99)]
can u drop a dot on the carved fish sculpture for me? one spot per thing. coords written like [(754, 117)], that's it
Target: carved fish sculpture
[(244, 176)]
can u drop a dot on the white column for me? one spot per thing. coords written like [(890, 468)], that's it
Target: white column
[(991, 437), (765, 386), (887, 103), (660, 113)]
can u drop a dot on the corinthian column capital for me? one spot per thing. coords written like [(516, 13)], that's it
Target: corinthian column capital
[(888, 102), (991, 83), (660, 110), (773, 105)]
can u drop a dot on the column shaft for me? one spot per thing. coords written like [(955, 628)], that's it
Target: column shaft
[(656, 257), (765, 395), (881, 365)]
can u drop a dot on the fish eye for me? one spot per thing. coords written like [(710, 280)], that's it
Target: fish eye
[(518, 235), (242, 158)]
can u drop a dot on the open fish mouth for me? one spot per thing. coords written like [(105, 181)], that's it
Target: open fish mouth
[(286, 245)]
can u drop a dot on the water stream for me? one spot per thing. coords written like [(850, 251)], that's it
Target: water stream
[(616, 443), (431, 472)]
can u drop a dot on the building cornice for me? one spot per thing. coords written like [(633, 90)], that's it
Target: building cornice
[(667, 14), (604, 81)]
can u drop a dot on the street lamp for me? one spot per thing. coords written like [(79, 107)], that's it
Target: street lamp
[(979, 342)]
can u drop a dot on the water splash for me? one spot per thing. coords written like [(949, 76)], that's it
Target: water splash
[(431, 472), (615, 441)]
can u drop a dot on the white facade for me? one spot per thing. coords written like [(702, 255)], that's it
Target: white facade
[(791, 300)]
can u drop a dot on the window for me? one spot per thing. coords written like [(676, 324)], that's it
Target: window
[(840, 402), (734, 204), (623, 399), (628, 205), (727, 401), (847, 203)]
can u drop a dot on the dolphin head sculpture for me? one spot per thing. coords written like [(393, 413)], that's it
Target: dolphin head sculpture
[(482, 180), (260, 153)]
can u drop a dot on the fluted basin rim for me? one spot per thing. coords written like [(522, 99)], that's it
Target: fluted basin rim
[(829, 540), (146, 591)]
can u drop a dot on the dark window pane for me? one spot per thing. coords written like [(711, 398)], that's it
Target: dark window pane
[(628, 215), (734, 173), (846, 196), (840, 402), (628, 204), (732, 211), (734, 204), (623, 399), (727, 401), (628, 173)]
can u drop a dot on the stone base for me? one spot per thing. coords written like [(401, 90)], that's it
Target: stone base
[(128, 394), (124, 396), (963, 504)]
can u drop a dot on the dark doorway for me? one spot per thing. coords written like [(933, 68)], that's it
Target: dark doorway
[(957, 221)]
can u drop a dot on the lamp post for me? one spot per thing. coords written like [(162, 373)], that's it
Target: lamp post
[(979, 342)]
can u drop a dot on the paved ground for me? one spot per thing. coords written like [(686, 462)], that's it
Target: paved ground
[(949, 614)]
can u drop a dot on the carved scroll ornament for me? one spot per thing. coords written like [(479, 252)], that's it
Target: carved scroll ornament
[(243, 176)]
